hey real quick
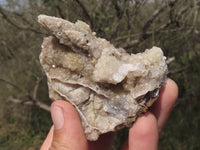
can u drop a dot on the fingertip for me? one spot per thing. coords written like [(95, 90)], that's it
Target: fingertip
[(172, 89)]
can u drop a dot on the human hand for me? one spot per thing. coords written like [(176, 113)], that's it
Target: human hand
[(67, 132)]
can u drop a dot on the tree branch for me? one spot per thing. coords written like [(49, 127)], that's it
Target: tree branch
[(119, 13), (4, 44), (35, 90), (145, 36), (130, 44), (4, 15), (153, 17), (85, 11), (10, 83), (59, 10), (179, 70), (39, 104), (170, 59)]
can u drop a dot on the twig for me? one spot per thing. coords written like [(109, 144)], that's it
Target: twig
[(179, 70), (148, 23), (119, 13), (145, 36), (170, 59), (153, 17), (3, 43), (10, 83), (130, 44), (34, 97), (59, 10), (39, 104), (85, 11), (4, 15)]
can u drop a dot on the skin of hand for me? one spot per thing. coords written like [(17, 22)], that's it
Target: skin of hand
[(67, 132)]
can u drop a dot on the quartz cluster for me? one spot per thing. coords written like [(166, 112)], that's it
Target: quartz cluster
[(108, 87)]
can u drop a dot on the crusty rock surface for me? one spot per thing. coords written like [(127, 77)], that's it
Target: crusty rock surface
[(108, 87)]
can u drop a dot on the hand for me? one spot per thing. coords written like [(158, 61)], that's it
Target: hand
[(67, 132)]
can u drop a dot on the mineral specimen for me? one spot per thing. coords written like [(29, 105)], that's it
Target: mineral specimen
[(108, 87)]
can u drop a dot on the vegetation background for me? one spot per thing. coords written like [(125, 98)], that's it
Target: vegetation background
[(173, 25)]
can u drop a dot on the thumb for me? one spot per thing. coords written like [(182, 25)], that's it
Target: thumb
[(68, 132)]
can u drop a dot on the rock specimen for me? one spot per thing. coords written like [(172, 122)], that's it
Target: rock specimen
[(108, 87)]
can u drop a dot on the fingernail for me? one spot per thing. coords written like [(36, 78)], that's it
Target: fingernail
[(57, 117)]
